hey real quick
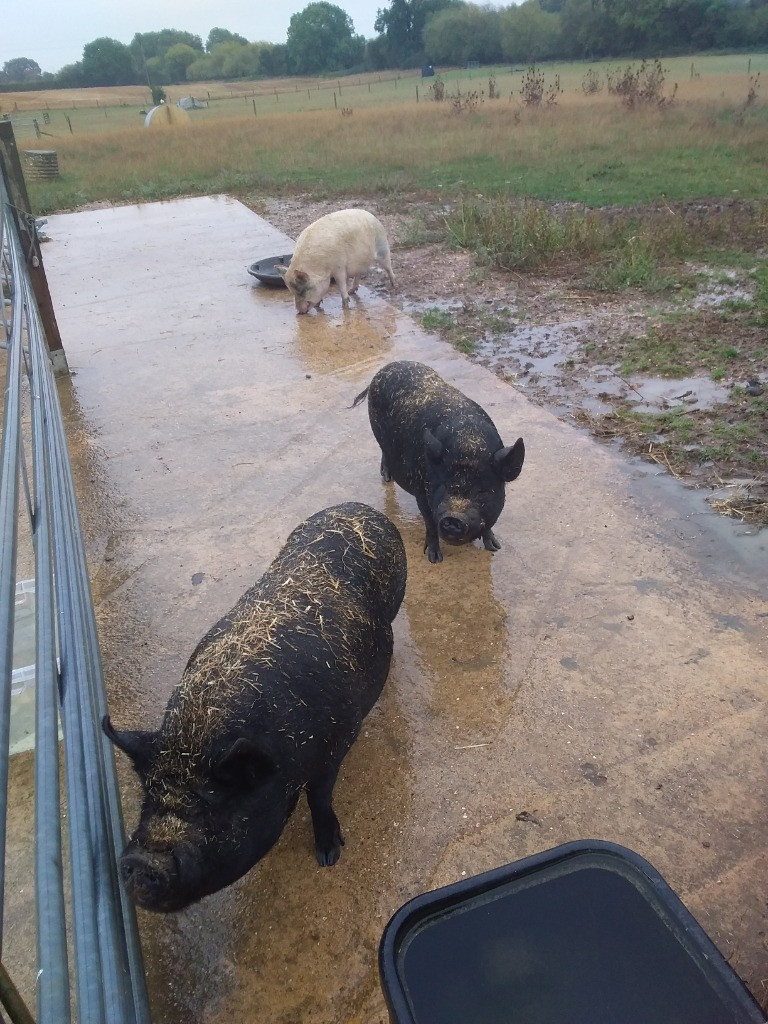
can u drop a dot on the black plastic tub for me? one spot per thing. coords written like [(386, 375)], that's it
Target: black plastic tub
[(587, 933), (265, 270)]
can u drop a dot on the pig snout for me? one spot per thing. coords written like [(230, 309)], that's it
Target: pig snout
[(454, 529), (161, 879), (459, 525)]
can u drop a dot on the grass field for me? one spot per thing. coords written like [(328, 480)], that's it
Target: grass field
[(386, 134)]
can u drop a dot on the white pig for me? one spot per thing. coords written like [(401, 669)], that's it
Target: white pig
[(340, 245)]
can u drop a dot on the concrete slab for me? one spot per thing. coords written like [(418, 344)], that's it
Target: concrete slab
[(605, 671)]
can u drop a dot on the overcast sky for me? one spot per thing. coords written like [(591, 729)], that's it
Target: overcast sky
[(54, 32)]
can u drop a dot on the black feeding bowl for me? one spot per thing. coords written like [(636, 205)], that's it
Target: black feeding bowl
[(586, 933), (264, 270)]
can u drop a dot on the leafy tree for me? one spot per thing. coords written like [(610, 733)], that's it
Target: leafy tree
[(107, 62), (458, 34), (322, 38), (613, 27), (21, 69), (177, 59), (587, 31), (402, 24), (528, 33), (146, 45), (377, 54), (637, 21), (554, 6), (758, 29), (242, 61), (203, 69), (70, 76), (155, 72), (232, 60), (222, 35), (274, 60)]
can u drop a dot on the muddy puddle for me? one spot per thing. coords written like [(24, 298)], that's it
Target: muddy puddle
[(547, 361)]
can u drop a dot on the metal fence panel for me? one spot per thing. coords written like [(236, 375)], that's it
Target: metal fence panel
[(108, 972)]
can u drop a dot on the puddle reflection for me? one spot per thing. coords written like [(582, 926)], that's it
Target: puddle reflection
[(458, 627), (329, 342)]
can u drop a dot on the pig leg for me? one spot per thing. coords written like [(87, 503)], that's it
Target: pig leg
[(341, 280), (490, 541), (353, 285), (328, 837), (386, 476), (384, 260), (388, 268), (432, 540)]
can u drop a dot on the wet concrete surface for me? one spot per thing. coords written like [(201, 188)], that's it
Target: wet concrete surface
[(604, 672)]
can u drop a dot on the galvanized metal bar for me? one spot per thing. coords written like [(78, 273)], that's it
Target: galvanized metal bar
[(5, 270), (52, 962), (108, 969), (9, 493), (125, 988), (90, 1002), (84, 699)]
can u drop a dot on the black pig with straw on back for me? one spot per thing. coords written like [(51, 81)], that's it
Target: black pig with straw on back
[(270, 702), (443, 448)]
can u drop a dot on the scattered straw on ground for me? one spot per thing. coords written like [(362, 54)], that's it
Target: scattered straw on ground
[(744, 506)]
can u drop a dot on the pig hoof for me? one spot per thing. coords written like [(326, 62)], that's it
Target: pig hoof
[(386, 476), (491, 541), (328, 855), (434, 554)]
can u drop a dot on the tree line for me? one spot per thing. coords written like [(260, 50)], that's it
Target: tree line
[(411, 33)]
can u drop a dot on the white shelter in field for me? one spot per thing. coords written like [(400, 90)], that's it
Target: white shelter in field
[(190, 103)]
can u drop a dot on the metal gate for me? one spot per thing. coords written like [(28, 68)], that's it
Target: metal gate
[(107, 977)]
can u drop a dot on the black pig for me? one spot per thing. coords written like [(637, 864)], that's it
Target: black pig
[(443, 448), (269, 704)]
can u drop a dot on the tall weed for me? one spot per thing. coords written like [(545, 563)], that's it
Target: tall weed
[(524, 236), (641, 86), (623, 252)]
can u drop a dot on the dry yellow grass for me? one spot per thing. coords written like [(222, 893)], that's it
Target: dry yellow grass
[(583, 148), (407, 135), (139, 95), (699, 79)]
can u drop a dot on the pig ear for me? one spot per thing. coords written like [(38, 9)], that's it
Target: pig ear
[(432, 446), (242, 765), (280, 269), (139, 745), (509, 461)]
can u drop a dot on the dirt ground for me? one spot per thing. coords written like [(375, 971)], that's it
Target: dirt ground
[(563, 345)]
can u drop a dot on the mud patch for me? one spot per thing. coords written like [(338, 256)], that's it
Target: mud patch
[(678, 378)]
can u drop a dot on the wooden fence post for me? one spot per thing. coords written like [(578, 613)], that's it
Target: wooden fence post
[(10, 167)]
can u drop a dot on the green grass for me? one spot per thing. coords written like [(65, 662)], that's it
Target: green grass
[(496, 322), (442, 320), (435, 319), (722, 435), (676, 355), (677, 424), (760, 302)]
